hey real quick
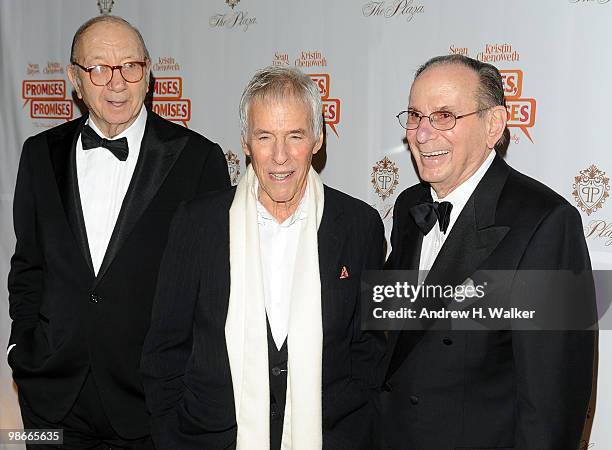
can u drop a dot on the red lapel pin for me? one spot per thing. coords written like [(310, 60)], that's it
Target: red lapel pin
[(344, 273)]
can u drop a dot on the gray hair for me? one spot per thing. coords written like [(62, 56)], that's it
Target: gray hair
[(490, 91), (109, 19), (279, 82)]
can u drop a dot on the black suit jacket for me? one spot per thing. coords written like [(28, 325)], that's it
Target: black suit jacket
[(66, 320), (449, 390), (185, 362)]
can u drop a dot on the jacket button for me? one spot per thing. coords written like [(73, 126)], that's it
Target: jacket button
[(276, 371), (414, 399), (95, 298), (274, 412), (447, 341), (387, 387)]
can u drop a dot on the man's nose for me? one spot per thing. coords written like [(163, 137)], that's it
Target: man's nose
[(117, 82), (425, 131), (280, 154)]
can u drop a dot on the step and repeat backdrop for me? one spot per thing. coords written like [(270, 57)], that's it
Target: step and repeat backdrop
[(553, 54)]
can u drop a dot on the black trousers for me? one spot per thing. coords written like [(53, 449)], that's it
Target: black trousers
[(85, 427)]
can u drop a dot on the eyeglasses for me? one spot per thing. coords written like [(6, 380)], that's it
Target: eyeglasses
[(440, 120), (102, 74)]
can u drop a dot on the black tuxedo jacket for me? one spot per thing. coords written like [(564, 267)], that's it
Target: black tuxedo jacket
[(185, 363), (66, 320), (449, 390)]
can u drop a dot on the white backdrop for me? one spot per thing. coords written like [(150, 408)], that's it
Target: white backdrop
[(363, 54)]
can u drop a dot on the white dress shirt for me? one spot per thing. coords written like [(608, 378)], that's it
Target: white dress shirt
[(103, 182), (434, 240), (278, 244)]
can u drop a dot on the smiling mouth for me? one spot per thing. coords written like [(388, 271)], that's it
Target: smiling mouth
[(434, 154), (281, 176), (116, 103)]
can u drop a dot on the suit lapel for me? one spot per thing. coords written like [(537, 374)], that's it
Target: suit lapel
[(410, 237), (331, 237), (399, 343), (472, 239), (412, 241), (158, 153), (465, 249), (459, 255), (62, 150)]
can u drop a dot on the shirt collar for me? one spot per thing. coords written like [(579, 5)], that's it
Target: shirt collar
[(133, 133), (462, 193), (264, 216)]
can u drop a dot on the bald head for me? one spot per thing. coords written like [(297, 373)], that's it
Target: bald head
[(77, 39)]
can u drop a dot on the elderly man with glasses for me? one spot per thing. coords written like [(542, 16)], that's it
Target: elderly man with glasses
[(447, 389), (93, 203)]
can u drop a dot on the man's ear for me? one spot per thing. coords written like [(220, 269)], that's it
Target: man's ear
[(245, 146), (496, 124), (318, 144), (74, 80), (147, 73)]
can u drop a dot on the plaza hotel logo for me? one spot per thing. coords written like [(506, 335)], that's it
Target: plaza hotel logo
[(591, 189), (105, 6), (590, 2), (405, 9), (232, 18), (384, 179), (233, 166), (312, 60), (46, 98), (168, 100)]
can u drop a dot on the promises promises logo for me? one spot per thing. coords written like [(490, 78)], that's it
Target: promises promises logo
[(168, 99), (312, 59), (47, 99), (521, 111), (331, 106)]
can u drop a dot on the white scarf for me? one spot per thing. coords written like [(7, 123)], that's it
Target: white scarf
[(246, 333)]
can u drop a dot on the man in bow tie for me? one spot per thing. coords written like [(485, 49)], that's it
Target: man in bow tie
[(451, 389), (93, 203), (255, 339)]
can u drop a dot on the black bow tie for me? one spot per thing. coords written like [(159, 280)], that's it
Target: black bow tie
[(425, 215), (91, 139)]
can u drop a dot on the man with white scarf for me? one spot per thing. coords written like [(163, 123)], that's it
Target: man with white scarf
[(255, 340)]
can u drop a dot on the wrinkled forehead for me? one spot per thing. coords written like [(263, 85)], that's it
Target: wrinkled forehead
[(109, 35), (277, 99), (283, 95), (445, 85)]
